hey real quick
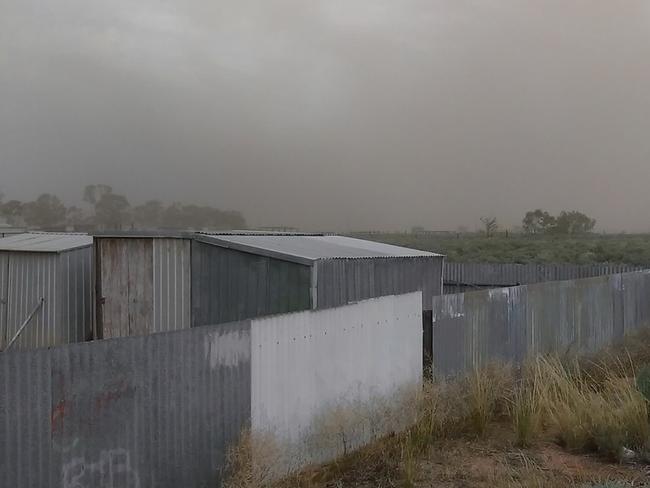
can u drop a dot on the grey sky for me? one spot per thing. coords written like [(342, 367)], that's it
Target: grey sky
[(335, 114)]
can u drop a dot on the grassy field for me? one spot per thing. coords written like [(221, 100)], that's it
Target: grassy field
[(580, 422), (516, 248)]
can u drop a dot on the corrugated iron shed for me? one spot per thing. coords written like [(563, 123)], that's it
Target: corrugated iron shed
[(48, 277), (257, 274), (154, 281)]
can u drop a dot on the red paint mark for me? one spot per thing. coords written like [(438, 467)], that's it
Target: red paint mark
[(58, 414), (104, 399)]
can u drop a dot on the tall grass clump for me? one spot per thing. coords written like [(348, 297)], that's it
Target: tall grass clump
[(488, 392), (604, 416), (526, 406)]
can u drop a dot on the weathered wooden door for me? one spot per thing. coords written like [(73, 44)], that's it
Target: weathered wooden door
[(4, 298), (125, 295)]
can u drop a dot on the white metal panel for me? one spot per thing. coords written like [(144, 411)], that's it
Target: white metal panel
[(304, 363)]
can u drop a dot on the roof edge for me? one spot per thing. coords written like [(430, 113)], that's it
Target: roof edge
[(215, 241), (137, 234)]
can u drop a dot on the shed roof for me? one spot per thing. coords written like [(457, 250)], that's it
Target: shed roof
[(310, 248), (44, 242), (259, 233), (189, 234)]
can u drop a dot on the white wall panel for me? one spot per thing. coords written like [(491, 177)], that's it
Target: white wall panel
[(308, 362)]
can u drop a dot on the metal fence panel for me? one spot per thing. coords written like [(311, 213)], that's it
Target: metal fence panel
[(306, 363), (25, 412), (509, 324), (157, 410), (462, 277)]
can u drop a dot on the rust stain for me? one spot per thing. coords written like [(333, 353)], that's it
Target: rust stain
[(58, 415)]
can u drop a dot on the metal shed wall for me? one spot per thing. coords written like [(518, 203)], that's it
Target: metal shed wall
[(230, 285), (144, 285), (341, 281), (76, 284), (4, 296), (172, 286), (64, 280)]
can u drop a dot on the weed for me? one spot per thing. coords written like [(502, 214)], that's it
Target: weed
[(487, 395)]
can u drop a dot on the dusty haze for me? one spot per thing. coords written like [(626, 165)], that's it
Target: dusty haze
[(337, 114)]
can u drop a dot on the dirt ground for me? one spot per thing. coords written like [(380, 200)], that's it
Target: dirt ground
[(491, 462), (464, 463)]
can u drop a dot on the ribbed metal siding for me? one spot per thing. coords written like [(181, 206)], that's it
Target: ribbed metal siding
[(509, 324), (25, 412), (342, 281), (4, 297), (229, 285), (76, 294), (465, 276), (171, 284), (150, 411), (32, 276)]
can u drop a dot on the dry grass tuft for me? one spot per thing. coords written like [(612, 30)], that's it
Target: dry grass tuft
[(526, 406), (604, 415), (488, 393), (253, 462)]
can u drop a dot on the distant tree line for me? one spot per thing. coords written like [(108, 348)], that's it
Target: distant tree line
[(102, 209), (567, 223)]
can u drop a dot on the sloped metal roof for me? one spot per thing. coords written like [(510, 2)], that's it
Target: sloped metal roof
[(309, 248), (258, 233), (44, 242)]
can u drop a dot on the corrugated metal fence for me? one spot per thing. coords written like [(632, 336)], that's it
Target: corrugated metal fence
[(509, 324), (137, 412), (460, 277), (161, 410)]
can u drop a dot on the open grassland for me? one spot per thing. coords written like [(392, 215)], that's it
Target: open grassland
[(516, 248), (554, 422)]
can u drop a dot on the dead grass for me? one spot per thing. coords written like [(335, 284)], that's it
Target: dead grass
[(488, 392), (554, 422), (605, 415)]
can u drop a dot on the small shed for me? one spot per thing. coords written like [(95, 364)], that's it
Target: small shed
[(45, 284), (143, 283), (156, 282), (239, 276)]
